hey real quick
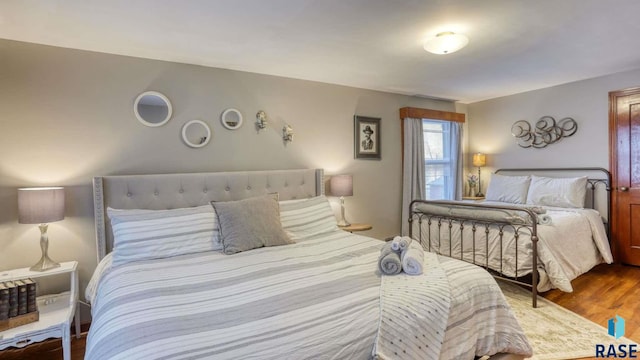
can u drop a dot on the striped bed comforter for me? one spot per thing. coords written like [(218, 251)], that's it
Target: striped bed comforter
[(321, 298)]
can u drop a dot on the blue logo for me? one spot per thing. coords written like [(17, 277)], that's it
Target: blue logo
[(616, 327)]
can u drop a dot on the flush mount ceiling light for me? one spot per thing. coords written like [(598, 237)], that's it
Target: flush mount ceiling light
[(446, 43)]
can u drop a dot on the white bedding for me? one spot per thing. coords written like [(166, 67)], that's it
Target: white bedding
[(573, 243), (315, 299)]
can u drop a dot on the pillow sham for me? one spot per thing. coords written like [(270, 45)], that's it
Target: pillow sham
[(249, 224), (152, 234), (304, 218), (559, 192), (509, 189)]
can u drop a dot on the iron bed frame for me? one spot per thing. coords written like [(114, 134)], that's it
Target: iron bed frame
[(456, 214)]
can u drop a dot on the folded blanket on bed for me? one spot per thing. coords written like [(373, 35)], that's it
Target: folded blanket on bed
[(400, 243), (412, 259), (389, 261), (409, 330), (512, 216)]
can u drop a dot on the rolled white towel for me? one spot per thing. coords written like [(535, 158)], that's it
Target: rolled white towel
[(389, 261), (544, 219), (537, 209), (395, 243), (404, 242), (412, 259)]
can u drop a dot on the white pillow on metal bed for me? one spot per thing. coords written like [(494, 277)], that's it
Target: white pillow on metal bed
[(509, 189), (558, 192)]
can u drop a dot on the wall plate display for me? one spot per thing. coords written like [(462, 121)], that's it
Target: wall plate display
[(231, 119), (152, 108), (196, 133)]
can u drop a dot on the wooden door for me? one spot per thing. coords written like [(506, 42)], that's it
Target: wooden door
[(624, 131)]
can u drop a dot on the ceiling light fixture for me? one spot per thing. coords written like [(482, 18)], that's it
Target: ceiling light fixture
[(446, 43)]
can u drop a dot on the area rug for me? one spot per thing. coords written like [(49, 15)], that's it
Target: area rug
[(554, 332)]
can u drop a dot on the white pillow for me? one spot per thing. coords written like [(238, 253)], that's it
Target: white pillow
[(559, 192), (510, 189), (305, 218), (152, 234)]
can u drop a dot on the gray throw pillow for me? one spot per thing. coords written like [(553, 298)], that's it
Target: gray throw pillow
[(249, 224)]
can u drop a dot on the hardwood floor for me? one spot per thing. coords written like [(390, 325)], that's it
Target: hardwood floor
[(603, 292), (598, 295)]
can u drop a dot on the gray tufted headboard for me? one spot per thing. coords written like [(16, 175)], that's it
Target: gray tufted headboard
[(170, 191)]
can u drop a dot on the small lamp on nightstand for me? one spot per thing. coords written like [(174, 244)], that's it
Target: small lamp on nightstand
[(341, 185), (41, 206), (479, 160)]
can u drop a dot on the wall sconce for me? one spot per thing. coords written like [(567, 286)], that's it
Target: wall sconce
[(479, 160), (261, 120), (287, 133)]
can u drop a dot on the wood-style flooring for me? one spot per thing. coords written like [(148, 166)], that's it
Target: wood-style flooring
[(598, 295)]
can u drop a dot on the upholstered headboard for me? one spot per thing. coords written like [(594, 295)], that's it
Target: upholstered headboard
[(170, 191)]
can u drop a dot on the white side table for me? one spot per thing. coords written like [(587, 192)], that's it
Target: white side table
[(56, 311)]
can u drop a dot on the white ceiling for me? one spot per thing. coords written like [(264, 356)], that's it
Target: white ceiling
[(515, 45)]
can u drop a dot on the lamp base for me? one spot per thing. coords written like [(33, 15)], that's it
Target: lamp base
[(343, 222), (479, 194), (44, 264)]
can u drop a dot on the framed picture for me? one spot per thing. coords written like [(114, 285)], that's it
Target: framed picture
[(367, 137)]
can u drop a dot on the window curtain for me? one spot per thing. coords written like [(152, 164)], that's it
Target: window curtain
[(456, 162), (413, 176)]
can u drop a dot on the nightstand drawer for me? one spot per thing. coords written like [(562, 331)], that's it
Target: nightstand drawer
[(28, 338)]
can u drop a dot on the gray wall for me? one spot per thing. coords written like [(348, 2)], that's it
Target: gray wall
[(585, 101), (67, 115)]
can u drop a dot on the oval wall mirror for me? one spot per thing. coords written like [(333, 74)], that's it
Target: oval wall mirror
[(231, 119), (196, 133), (152, 108)]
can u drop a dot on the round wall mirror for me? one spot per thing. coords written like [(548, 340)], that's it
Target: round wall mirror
[(196, 133), (231, 119), (152, 108)]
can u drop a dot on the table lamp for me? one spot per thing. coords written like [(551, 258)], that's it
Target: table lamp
[(41, 206), (479, 160), (341, 185)]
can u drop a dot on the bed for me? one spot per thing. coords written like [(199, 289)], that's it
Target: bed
[(320, 296), (541, 231)]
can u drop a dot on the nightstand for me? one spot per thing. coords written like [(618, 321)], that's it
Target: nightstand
[(56, 311), (356, 227)]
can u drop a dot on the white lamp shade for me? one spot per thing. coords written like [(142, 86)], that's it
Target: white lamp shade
[(341, 185), (446, 43), (40, 205)]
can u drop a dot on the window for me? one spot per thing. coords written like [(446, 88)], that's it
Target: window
[(439, 182)]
